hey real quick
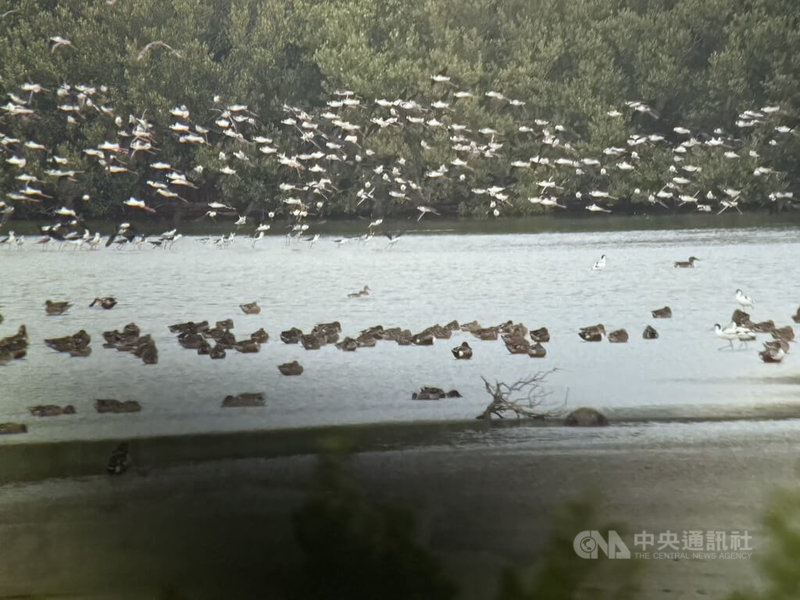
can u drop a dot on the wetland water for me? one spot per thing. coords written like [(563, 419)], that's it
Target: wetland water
[(540, 279)]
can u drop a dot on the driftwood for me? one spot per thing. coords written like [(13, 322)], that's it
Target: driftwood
[(525, 398)]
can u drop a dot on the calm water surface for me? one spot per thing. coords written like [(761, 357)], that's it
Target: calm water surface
[(539, 279)]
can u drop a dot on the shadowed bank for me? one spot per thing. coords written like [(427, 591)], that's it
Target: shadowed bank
[(466, 522)]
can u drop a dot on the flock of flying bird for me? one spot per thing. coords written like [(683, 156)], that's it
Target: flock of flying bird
[(329, 152)]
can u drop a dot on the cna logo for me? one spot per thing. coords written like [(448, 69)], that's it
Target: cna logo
[(588, 544)]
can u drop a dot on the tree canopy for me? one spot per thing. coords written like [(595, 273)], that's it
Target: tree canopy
[(386, 107)]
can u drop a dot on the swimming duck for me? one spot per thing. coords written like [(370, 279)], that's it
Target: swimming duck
[(291, 336), (76, 344), (763, 326), (473, 326), (783, 333), (189, 326), (620, 336), (310, 341), (247, 346), (687, 264), (251, 308), (541, 335), (56, 308), (51, 410), (593, 333), (536, 350), (771, 354), (217, 352), (327, 332), (107, 302), (348, 344), (13, 428), (795, 316), (366, 341), (260, 336), (15, 346), (662, 313), (245, 399), (292, 368), (463, 352), (226, 324), (741, 318), (486, 333), (434, 393), (422, 339), (650, 333), (516, 344), (109, 405), (191, 340), (363, 292)]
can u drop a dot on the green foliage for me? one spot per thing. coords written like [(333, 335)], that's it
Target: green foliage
[(778, 560), (353, 548), (696, 63), (560, 574)]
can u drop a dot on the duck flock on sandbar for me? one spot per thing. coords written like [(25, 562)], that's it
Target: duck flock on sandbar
[(218, 340)]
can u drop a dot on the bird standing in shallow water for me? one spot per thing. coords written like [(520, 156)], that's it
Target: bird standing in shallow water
[(744, 301)]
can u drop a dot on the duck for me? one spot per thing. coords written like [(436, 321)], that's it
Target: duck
[(795, 316), (260, 336), (15, 346), (593, 333), (536, 350), (772, 354), (741, 318), (250, 308), (217, 352), (76, 344), (56, 308), (763, 326), (348, 344), (310, 341), (191, 340), (292, 368), (783, 333), (51, 410), (662, 313), (106, 302), (363, 292), (247, 346), (291, 336), (244, 399), (225, 324), (189, 326), (686, 264), (540, 335), (619, 336), (487, 334), (462, 352), (650, 333), (422, 339), (516, 344)]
